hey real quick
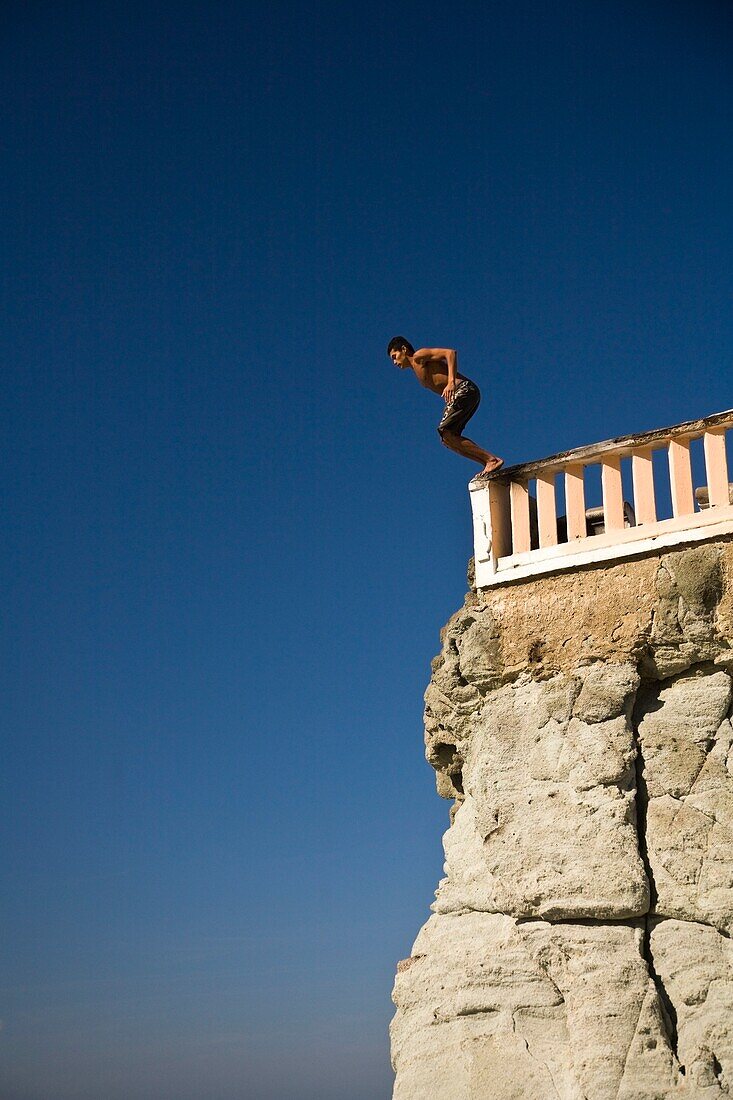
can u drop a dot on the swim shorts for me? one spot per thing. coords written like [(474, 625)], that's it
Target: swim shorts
[(459, 411)]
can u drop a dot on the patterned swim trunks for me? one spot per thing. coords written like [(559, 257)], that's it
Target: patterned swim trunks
[(459, 411)]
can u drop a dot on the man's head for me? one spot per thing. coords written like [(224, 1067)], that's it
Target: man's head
[(398, 350)]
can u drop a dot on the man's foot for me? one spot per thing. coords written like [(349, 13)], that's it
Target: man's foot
[(493, 465)]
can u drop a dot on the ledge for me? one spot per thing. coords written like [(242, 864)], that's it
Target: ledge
[(623, 444), (598, 549)]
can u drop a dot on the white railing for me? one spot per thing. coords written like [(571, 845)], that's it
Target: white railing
[(517, 530)]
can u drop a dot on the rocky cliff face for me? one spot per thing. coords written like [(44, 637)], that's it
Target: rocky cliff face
[(579, 947)]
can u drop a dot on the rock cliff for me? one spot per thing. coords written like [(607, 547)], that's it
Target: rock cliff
[(579, 947)]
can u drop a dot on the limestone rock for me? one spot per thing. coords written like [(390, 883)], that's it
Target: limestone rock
[(685, 742), (678, 724), (579, 947), (695, 966), (606, 690), (495, 1008), (689, 586), (547, 827)]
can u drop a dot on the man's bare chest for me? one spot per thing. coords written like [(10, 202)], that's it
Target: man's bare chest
[(434, 376)]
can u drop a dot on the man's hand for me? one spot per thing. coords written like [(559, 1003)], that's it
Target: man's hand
[(449, 392)]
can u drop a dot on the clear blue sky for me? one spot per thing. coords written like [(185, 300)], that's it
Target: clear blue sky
[(230, 535)]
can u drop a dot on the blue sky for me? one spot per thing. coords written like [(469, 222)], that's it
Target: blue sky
[(230, 534)]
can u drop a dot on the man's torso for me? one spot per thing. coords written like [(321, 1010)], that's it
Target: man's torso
[(433, 374)]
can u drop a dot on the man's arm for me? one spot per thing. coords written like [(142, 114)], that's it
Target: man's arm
[(447, 355)]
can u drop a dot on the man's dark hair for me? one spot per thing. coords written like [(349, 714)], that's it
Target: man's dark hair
[(398, 342)]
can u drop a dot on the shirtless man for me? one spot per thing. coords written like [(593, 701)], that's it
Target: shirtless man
[(436, 370)]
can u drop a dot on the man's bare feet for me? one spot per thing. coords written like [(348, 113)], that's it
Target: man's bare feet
[(493, 465)]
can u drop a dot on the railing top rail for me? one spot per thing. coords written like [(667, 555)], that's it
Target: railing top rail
[(622, 444)]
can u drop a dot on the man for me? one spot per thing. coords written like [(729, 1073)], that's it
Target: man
[(436, 370)]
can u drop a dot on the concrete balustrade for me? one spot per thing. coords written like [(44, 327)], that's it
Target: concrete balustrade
[(518, 532)]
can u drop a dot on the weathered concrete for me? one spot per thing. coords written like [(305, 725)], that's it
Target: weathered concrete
[(579, 943)]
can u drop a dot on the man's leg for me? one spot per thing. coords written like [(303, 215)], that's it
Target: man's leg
[(466, 447)]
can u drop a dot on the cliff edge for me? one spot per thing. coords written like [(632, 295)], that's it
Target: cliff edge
[(579, 947)]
